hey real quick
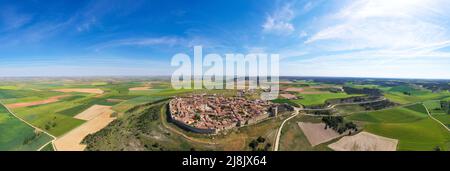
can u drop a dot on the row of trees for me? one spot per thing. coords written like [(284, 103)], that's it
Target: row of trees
[(368, 91), (445, 106), (378, 105), (338, 124)]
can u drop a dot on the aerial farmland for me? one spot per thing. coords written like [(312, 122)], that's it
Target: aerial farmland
[(74, 114)]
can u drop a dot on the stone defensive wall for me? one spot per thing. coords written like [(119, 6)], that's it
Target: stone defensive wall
[(188, 127)]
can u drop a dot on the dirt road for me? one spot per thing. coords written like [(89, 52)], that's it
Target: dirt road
[(431, 116), (277, 140)]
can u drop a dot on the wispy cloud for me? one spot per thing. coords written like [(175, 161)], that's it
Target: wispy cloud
[(143, 42), (34, 33), (11, 19), (403, 38), (280, 21), (373, 66), (87, 24), (384, 24), (91, 15)]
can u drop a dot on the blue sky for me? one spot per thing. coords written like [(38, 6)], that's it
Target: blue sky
[(355, 38)]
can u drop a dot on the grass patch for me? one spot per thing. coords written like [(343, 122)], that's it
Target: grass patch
[(347, 109), (85, 105), (434, 106), (18, 136), (48, 147), (443, 117), (418, 108), (401, 98), (410, 125), (319, 99), (44, 115), (8, 94), (394, 115), (126, 105), (424, 134)]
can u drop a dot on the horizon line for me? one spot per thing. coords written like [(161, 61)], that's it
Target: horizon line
[(154, 76)]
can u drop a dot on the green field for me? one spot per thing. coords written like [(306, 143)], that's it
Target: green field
[(141, 120), (424, 134), (394, 115), (84, 104), (348, 109), (14, 96), (318, 99), (126, 105), (410, 125), (401, 98), (57, 118), (15, 135), (434, 106), (408, 89), (48, 147), (47, 116)]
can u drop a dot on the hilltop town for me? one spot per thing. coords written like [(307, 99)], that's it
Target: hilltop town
[(204, 113)]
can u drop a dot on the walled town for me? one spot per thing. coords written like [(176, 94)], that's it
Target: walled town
[(216, 112)]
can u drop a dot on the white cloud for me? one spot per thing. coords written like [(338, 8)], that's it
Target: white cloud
[(393, 34), (86, 25), (11, 19), (384, 24), (380, 38), (372, 64), (308, 6), (303, 34), (150, 41), (280, 21)]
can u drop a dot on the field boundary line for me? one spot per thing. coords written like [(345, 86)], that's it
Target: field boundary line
[(40, 148), (29, 124)]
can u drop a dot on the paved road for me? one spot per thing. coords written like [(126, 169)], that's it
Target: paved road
[(431, 116), (12, 113)]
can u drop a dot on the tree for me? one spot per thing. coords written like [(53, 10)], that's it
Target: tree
[(197, 116), (261, 139), (437, 148), (445, 106), (253, 144), (350, 125), (267, 147)]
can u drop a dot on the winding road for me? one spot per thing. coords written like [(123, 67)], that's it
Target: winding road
[(277, 140), (297, 111)]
